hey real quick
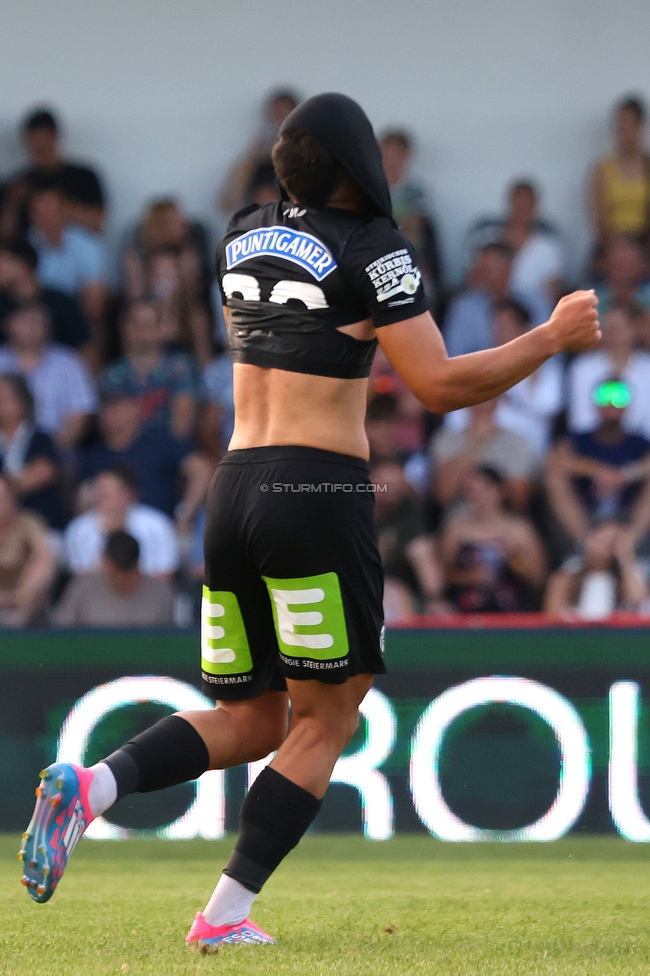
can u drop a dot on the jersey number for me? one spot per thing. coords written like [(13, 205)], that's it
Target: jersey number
[(248, 289)]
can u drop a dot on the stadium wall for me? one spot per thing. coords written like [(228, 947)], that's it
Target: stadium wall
[(495, 733), (162, 94)]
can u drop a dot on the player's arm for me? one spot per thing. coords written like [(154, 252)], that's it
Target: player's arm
[(416, 349)]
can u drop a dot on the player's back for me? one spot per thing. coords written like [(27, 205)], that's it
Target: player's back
[(301, 286)]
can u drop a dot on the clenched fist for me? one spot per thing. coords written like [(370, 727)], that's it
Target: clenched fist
[(574, 323)]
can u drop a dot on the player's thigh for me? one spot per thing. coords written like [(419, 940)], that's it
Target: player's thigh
[(239, 650)]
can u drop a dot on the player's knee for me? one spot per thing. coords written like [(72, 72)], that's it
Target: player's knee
[(330, 730), (352, 723)]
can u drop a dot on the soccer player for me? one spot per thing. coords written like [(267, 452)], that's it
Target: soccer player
[(292, 607)]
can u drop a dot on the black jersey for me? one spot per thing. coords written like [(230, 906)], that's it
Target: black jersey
[(291, 276)]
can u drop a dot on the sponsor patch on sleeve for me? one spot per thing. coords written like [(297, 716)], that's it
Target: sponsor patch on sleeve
[(395, 274)]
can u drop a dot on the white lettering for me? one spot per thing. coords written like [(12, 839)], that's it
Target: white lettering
[(322, 264), (624, 804), (315, 254), (556, 711), (360, 769), (288, 619), (304, 250), (310, 295), (280, 243)]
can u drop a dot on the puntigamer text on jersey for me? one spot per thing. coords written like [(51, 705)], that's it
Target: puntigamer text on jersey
[(303, 249)]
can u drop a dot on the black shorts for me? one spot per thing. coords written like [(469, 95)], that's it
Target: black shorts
[(293, 580)]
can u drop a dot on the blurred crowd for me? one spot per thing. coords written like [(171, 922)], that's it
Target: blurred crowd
[(116, 402)]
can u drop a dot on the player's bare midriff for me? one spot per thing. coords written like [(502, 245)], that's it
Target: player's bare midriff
[(275, 407)]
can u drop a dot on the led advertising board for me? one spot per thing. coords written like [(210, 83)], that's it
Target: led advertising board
[(474, 735)]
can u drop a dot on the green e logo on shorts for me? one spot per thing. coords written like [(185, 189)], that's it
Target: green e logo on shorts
[(224, 645), (308, 615)]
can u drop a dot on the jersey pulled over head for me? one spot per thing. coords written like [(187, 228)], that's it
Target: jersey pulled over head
[(294, 274), (341, 126)]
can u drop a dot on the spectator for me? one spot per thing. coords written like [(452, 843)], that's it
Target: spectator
[(625, 272), (410, 207), (114, 507), (118, 595), (410, 427), (28, 458), (412, 573), (538, 262), (238, 182), (615, 356), (19, 284), (469, 323), (642, 329), (159, 461), (530, 407), (494, 561), (395, 428), (163, 383), (263, 187), (217, 418), (456, 453), (382, 429), (604, 577), (619, 187), (58, 378), (81, 187), (166, 225), (603, 474), (71, 259), (26, 561), (171, 276)]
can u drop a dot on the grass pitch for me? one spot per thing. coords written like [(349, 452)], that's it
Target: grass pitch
[(340, 905)]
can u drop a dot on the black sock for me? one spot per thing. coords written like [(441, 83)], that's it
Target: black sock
[(274, 816), (168, 753)]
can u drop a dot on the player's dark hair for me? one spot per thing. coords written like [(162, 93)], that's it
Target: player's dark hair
[(307, 171), (40, 118), (635, 104), (122, 549), (21, 391), (516, 309), (123, 473), (21, 249)]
